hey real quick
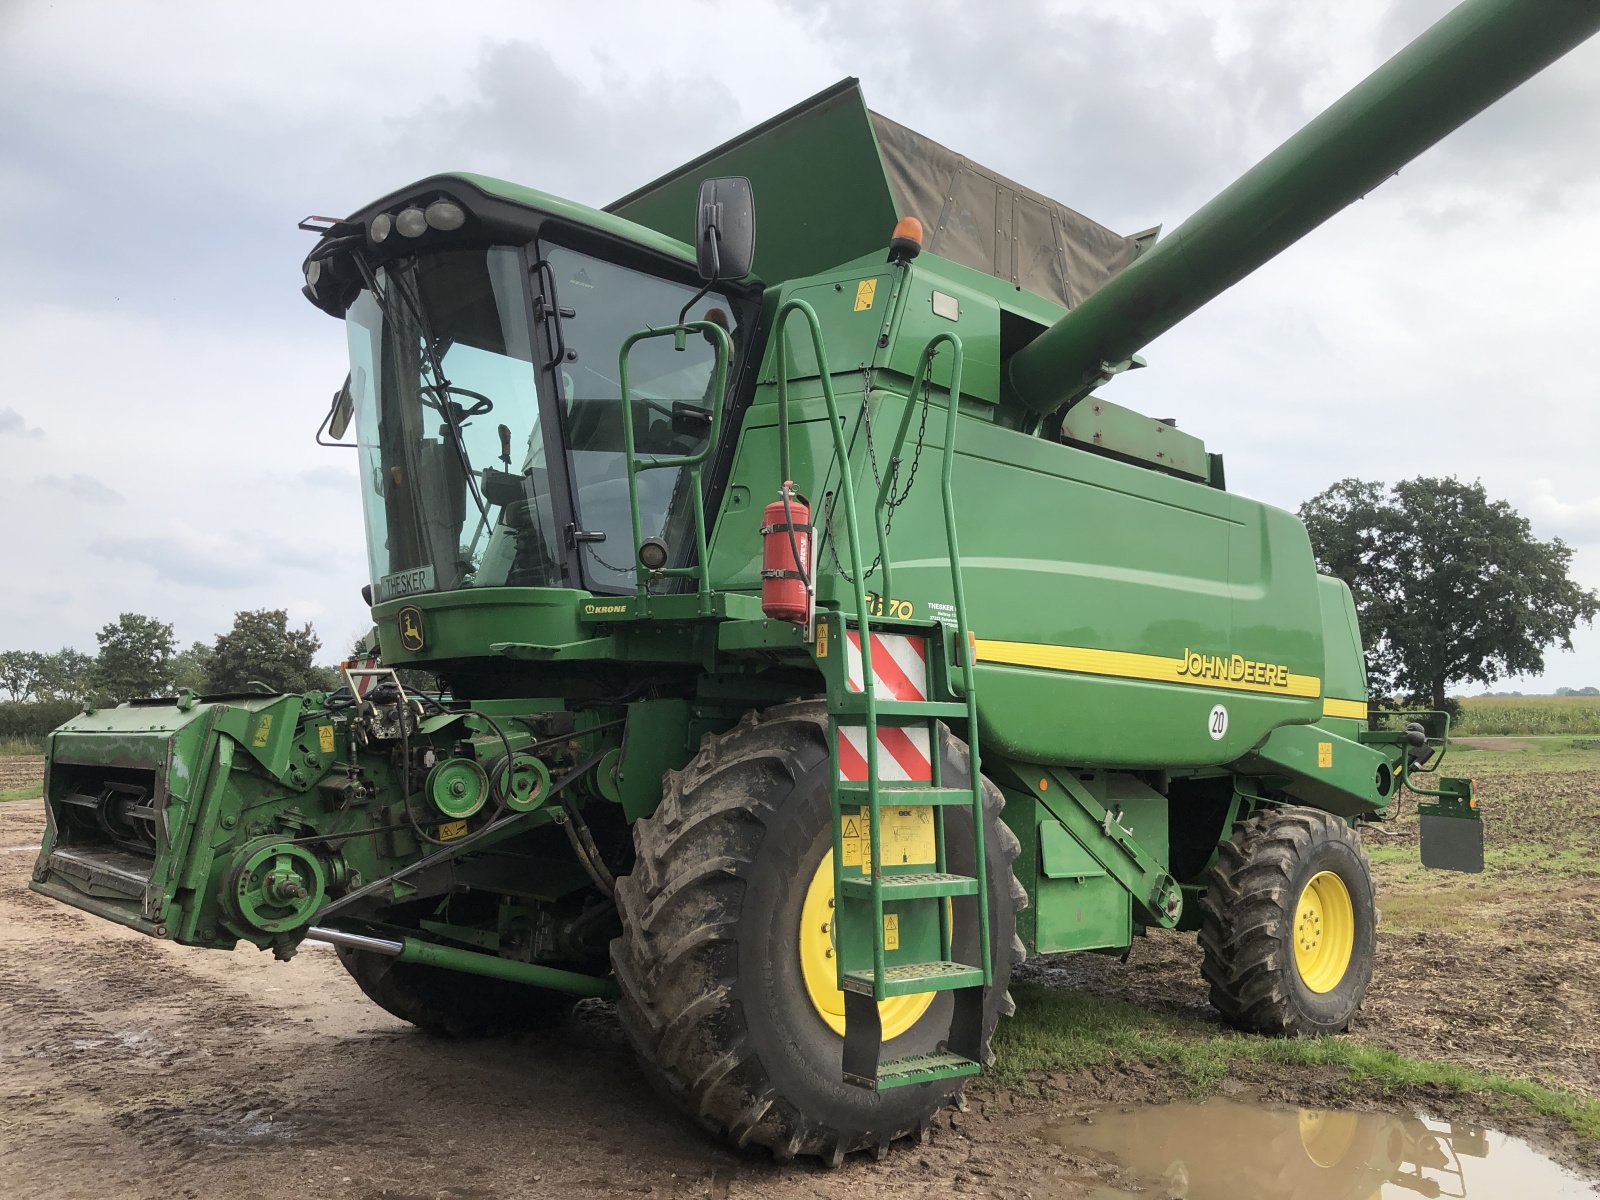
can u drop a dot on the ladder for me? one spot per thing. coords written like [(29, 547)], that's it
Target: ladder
[(890, 681)]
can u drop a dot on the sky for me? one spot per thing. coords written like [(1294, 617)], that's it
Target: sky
[(163, 376)]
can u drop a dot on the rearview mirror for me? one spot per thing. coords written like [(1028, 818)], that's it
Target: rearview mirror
[(725, 229), (340, 412)]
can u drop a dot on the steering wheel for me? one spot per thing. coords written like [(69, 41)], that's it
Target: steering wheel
[(481, 403)]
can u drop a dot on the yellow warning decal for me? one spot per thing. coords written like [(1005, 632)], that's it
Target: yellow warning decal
[(325, 738), (451, 830), (263, 731), (908, 837), (1324, 755), (1355, 710), (822, 641), (866, 290), (856, 836), (1232, 672), (891, 931)]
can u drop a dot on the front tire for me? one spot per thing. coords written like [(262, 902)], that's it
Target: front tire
[(451, 1003), (1289, 924), (713, 994)]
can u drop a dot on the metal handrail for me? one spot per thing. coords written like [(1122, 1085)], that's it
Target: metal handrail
[(701, 571), (964, 641)]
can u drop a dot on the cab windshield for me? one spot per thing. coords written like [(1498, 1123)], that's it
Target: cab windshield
[(466, 481)]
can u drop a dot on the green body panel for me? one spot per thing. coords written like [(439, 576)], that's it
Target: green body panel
[(1345, 676), (464, 624), (1123, 432), (1322, 768)]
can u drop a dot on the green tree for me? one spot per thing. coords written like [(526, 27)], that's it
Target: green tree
[(191, 668), (1451, 586), (19, 672), (261, 648), (135, 657), (67, 674)]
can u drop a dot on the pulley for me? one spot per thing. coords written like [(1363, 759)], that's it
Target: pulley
[(458, 787), (528, 784), (274, 886)]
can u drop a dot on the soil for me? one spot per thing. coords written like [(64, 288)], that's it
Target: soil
[(130, 1067), (20, 772)]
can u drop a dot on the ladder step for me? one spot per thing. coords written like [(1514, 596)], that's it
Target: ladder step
[(910, 979), (854, 704), (922, 885), (903, 793), (915, 1068)]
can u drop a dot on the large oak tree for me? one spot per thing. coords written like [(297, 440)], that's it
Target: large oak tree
[(1451, 586)]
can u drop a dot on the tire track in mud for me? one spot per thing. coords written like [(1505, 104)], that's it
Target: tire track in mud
[(113, 1047)]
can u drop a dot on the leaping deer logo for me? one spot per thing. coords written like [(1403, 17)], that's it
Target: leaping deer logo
[(411, 629)]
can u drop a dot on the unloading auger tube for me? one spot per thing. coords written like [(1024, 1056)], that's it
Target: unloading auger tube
[(1472, 57)]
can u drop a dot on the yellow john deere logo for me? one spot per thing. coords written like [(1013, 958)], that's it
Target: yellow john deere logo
[(411, 636)]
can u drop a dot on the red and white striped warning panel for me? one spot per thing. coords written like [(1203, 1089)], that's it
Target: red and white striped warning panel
[(364, 672), (899, 665), (902, 753)]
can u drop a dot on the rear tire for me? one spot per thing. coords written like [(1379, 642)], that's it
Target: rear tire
[(1289, 924), (712, 994), (451, 1003)]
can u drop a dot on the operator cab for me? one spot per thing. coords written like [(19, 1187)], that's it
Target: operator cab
[(484, 339)]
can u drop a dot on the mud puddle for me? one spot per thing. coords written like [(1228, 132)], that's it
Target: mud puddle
[(1233, 1150)]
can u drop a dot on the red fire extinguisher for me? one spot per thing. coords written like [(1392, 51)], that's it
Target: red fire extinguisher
[(786, 558)]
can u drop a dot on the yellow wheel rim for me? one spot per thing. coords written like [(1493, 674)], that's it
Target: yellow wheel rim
[(1327, 1137), (816, 941), (1324, 932)]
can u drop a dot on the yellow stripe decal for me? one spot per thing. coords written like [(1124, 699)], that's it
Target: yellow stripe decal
[(1247, 675), (1354, 709)]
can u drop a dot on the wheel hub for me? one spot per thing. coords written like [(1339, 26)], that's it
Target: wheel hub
[(1324, 932), (818, 946)]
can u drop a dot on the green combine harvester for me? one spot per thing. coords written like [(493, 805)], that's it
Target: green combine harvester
[(814, 640)]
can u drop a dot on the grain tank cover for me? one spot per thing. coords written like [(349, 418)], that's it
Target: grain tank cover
[(831, 178)]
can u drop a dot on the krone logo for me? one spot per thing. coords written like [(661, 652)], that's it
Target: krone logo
[(411, 635)]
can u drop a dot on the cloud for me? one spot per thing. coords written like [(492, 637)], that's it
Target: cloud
[(11, 422), (1574, 521), (201, 558), (565, 127), (188, 560), (80, 487), (329, 476)]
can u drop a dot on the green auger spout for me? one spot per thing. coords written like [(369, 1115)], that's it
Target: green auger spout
[(1464, 63)]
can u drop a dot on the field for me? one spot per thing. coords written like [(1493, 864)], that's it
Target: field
[(152, 1070), (1484, 716)]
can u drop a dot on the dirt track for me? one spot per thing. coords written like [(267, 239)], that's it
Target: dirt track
[(130, 1067)]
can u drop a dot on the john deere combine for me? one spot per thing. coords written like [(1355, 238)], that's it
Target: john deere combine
[(815, 640)]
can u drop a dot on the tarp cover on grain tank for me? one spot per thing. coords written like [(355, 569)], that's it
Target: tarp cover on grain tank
[(831, 178)]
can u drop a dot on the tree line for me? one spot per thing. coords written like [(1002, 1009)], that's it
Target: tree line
[(138, 656)]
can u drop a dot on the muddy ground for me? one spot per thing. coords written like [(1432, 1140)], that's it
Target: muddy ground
[(135, 1068)]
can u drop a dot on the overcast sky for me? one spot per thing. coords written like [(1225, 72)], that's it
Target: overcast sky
[(163, 376)]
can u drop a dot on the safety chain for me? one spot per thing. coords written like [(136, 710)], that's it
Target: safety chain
[(894, 501)]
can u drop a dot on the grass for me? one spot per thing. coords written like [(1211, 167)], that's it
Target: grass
[(1548, 754), (1484, 716), (1070, 1031), (21, 747), (31, 792)]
